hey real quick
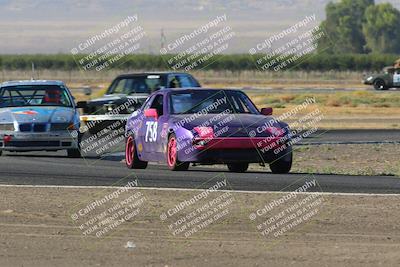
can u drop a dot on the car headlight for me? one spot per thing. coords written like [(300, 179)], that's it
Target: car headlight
[(370, 78), (7, 127), (131, 109), (73, 126)]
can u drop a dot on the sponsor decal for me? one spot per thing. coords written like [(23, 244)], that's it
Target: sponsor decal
[(26, 112), (164, 130), (151, 131), (396, 78)]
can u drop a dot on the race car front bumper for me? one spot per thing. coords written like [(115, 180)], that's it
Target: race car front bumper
[(366, 82), (49, 141), (235, 149)]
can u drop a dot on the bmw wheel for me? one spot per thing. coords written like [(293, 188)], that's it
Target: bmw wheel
[(74, 153)]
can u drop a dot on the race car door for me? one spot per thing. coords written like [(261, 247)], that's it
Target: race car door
[(152, 128), (141, 145), (396, 78)]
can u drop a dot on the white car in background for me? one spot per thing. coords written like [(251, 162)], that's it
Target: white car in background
[(38, 116)]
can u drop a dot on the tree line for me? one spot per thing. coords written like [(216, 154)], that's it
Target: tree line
[(237, 62), (360, 26)]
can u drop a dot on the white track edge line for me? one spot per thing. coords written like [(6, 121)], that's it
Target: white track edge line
[(199, 190)]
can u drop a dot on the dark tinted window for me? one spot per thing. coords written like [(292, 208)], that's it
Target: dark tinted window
[(182, 81), (158, 104), (186, 81), (211, 101), (136, 85)]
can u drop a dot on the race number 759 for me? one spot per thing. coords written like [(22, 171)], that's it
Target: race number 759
[(151, 131)]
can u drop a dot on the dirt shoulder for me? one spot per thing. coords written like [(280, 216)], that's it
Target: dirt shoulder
[(37, 230), (369, 159)]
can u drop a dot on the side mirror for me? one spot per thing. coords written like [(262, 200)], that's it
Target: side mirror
[(151, 113), (81, 104), (87, 90), (266, 111)]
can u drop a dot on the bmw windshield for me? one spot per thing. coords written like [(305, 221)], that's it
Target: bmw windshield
[(34, 95), (211, 101)]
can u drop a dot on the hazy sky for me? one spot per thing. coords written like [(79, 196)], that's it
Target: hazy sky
[(53, 26)]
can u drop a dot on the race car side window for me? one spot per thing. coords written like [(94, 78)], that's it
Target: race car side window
[(158, 104), (185, 81), (147, 103), (173, 82)]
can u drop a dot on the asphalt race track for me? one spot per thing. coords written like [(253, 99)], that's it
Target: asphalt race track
[(38, 168), (54, 168), (319, 137), (353, 137)]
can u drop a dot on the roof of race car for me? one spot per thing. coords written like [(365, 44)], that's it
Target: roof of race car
[(31, 82), (193, 88), (150, 73)]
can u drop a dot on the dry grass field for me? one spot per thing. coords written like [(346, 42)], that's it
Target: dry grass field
[(341, 230)]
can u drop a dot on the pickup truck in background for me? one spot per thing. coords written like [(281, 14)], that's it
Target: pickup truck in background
[(389, 78)]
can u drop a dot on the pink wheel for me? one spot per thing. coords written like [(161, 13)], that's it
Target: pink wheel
[(172, 152), (131, 157), (129, 151), (172, 156)]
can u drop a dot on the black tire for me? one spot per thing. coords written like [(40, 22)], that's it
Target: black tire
[(133, 161), (93, 131), (74, 153), (282, 164), (172, 156), (380, 84), (1, 152), (238, 167)]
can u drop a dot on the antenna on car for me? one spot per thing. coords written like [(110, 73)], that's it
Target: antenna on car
[(33, 71)]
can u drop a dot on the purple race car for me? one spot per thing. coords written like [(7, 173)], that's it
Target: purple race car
[(206, 126)]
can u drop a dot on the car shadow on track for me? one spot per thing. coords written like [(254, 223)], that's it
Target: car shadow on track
[(266, 171)]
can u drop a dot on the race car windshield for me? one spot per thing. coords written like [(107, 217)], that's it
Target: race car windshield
[(211, 102), (34, 95), (136, 85)]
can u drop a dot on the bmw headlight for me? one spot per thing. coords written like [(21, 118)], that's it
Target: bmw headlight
[(7, 127)]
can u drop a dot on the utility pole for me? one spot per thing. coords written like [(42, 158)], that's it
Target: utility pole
[(33, 71), (163, 40)]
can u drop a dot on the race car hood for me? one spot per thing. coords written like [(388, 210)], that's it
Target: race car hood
[(238, 124), (37, 114)]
